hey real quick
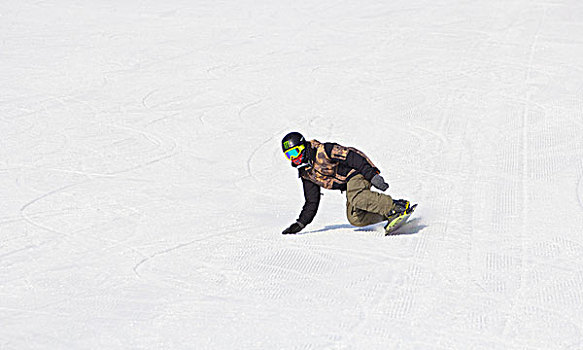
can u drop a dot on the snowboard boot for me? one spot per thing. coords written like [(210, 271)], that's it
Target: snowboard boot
[(399, 206)]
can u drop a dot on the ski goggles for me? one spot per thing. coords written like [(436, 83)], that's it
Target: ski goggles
[(294, 152)]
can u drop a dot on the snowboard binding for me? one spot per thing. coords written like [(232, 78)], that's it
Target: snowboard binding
[(399, 217)]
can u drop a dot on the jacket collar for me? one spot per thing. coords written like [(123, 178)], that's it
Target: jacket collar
[(309, 162)]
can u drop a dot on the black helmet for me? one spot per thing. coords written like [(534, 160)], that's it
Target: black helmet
[(294, 148), (292, 140)]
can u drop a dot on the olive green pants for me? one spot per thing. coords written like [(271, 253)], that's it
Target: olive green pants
[(363, 206)]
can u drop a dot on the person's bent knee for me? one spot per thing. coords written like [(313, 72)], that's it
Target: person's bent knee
[(352, 218), (355, 222)]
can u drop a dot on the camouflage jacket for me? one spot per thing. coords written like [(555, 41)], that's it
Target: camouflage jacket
[(331, 165)]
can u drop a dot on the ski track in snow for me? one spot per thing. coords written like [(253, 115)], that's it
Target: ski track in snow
[(144, 191), (525, 141), (580, 192)]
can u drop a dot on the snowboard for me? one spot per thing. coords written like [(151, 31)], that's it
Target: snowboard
[(395, 223)]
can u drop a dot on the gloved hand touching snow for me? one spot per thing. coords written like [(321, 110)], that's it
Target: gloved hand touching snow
[(378, 182), (294, 228)]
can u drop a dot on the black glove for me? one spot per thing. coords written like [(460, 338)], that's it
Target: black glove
[(294, 228), (378, 182)]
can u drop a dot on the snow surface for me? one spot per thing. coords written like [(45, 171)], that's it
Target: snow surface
[(143, 190)]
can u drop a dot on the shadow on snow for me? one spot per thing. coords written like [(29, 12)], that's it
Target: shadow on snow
[(410, 228)]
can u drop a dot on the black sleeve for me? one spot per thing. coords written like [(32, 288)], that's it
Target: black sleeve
[(312, 197), (358, 162)]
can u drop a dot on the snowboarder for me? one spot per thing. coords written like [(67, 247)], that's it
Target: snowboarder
[(335, 167)]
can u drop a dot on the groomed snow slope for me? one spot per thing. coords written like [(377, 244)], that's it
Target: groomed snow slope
[(143, 190)]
